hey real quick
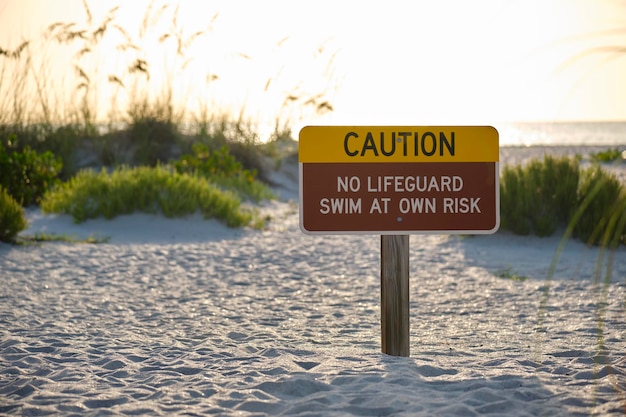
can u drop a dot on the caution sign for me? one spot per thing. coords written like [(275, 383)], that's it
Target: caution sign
[(399, 179)]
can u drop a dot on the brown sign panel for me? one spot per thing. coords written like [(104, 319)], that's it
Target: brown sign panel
[(399, 179), (399, 198)]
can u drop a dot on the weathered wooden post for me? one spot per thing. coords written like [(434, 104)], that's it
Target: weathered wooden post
[(394, 294)]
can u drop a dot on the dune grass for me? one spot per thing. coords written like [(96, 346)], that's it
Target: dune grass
[(58, 91), (546, 195), (121, 132), (134, 116)]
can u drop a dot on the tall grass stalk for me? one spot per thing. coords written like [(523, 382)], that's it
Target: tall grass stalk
[(15, 67), (610, 230), (110, 73)]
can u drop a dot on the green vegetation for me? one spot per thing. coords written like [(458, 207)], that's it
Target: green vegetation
[(508, 274), (537, 197), (610, 155), (12, 219), (147, 189), (221, 168), (602, 205), (148, 108), (129, 139), (195, 182), (26, 175), (545, 195), (47, 237), (144, 135)]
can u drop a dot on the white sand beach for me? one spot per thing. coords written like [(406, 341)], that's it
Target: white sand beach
[(188, 317)]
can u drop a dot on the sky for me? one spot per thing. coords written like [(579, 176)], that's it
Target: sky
[(374, 62)]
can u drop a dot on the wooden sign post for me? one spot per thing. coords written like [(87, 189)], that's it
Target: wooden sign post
[(394, 294), (395, 181)]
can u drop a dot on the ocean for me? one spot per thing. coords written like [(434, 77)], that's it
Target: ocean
[(610, 134), (560, 134)]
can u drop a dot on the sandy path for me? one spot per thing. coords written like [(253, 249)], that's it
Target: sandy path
[(280, 323)]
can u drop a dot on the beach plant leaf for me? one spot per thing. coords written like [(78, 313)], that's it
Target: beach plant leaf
[(605, 204), (609, 232)]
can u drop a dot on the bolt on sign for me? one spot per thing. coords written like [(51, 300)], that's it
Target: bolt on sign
[(399, 180)]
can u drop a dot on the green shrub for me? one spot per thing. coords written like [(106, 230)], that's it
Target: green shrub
[(126, 190), (604, 209), (208, 163), (12, 219), (26, 174), (223, 169), (610, 155), (63, 141), (539, 197), (244, 184)]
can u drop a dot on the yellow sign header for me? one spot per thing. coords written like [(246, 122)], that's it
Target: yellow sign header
[(328, 144)]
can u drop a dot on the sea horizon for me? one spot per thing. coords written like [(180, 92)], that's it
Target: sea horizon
[(562, 133)]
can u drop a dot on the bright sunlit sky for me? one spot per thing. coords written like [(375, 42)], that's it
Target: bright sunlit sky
[(387, 62)]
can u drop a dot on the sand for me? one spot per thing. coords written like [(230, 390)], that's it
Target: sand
[(188, 317)]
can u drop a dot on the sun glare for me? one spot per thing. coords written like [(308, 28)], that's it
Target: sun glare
[(505, 63), (444, 62)]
